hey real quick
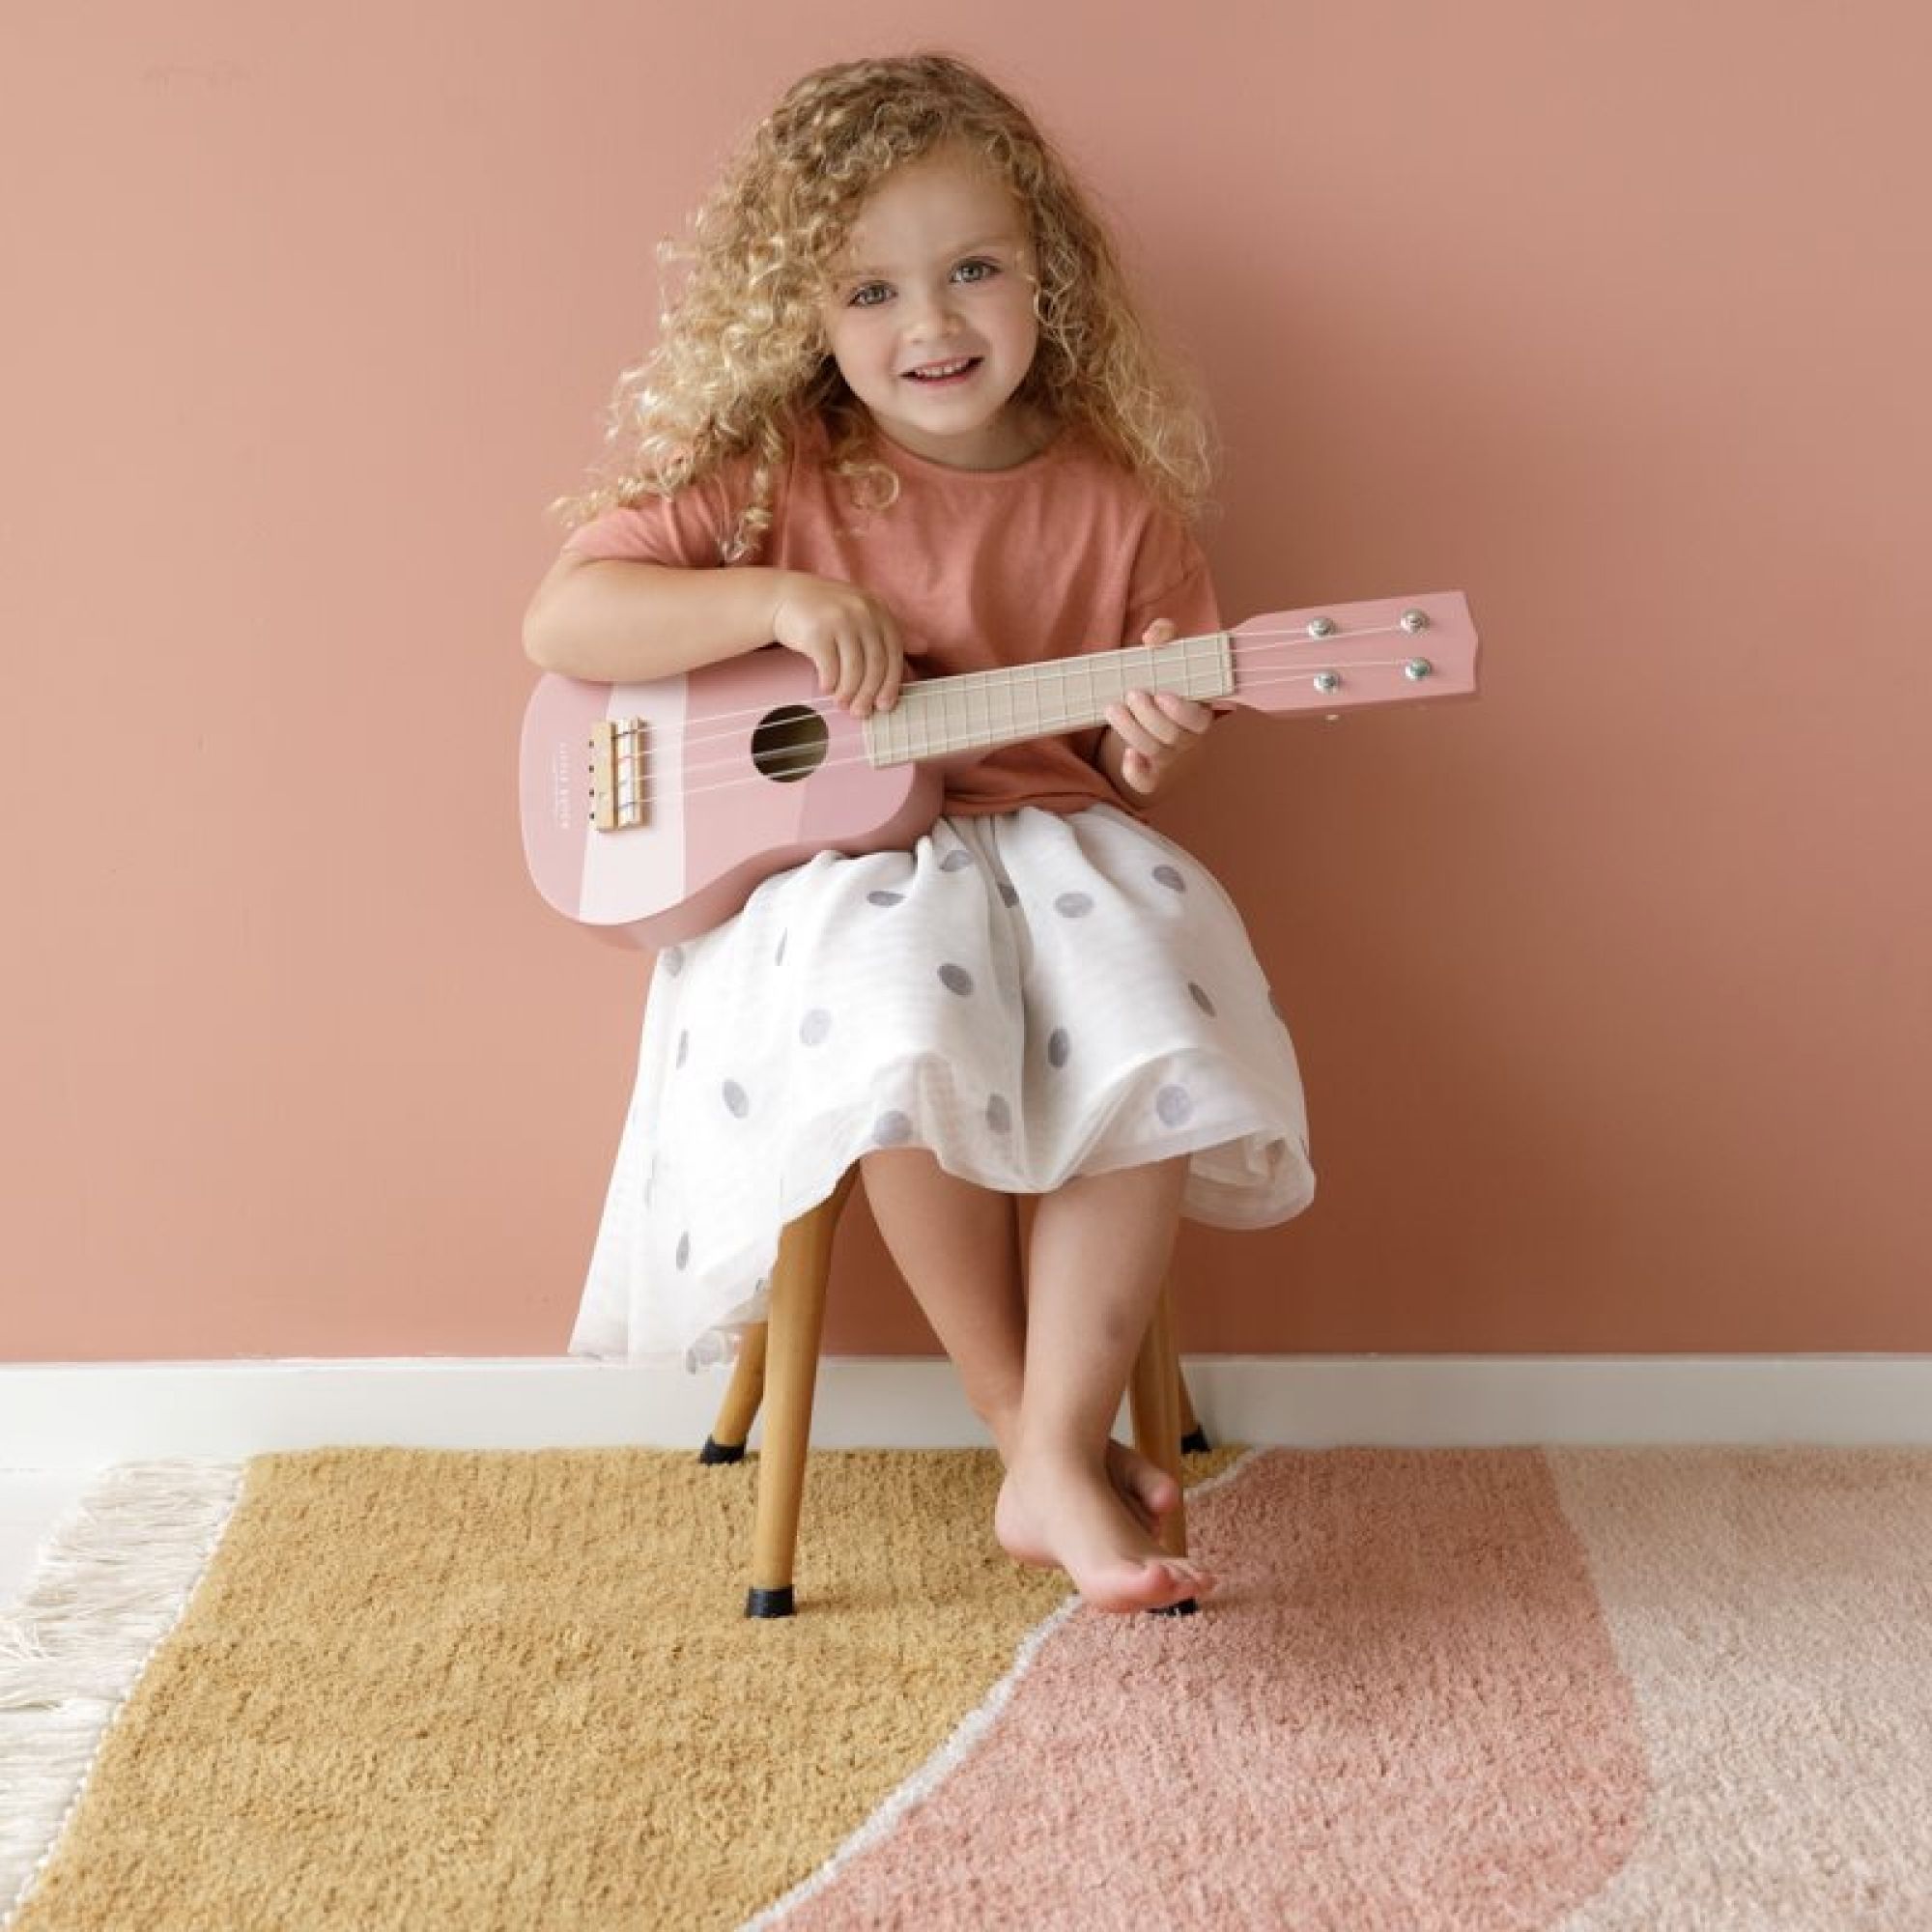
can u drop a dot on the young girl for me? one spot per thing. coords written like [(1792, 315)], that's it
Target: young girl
[(904, 420)]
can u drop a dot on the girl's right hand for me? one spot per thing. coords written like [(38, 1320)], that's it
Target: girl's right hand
[(852, 640)]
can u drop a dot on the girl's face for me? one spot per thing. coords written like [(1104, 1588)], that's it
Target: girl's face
[(930, 318)]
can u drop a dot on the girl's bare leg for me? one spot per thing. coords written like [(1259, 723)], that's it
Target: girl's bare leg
[(957, 1246), (1100, 1251)]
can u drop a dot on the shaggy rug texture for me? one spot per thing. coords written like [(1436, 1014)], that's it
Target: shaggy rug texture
[(1607, 1691)]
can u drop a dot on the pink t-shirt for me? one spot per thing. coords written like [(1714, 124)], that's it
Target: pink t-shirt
[(1063, 554)]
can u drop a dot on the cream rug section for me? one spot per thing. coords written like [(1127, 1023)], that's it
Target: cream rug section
[(1772, 1612)]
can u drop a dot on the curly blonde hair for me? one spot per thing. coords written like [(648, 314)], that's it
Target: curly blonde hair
[(742, 359)]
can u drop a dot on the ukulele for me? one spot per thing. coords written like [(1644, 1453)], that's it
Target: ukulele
[(651, 811)]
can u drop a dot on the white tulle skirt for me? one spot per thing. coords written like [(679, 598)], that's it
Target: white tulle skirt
[(1030, 996)]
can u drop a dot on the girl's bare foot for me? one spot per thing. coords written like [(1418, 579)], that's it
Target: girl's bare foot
[(1057, 1512), (1149, 1492)]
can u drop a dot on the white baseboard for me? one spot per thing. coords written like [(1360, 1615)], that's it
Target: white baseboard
[(85, 1415)]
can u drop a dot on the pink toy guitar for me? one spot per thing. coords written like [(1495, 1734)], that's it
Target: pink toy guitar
[(651, 811)]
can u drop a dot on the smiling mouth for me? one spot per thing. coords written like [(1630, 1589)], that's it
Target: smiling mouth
[(945, 371)]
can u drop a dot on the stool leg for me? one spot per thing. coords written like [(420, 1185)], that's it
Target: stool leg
[(1153, 1396), (1193, 1437), (735, 1414), (795, 1324)]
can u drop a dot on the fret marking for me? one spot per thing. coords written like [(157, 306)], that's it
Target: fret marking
[(965, 713)]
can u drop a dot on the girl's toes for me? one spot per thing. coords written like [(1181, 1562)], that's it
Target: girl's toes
[(1147, 1489), (1189, 1579)]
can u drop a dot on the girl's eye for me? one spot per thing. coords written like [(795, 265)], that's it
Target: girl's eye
[(870, 294)]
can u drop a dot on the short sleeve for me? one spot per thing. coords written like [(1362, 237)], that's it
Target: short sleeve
[(687, 531), (1171, 579)]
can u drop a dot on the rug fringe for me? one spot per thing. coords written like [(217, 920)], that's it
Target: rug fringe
[(110, 1584)]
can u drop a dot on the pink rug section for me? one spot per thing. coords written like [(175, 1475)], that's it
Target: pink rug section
[(1401, 1710)]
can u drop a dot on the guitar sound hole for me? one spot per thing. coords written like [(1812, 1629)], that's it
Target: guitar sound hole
[(790, 743)]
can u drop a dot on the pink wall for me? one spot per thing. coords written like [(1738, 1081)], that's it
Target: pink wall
[(1611, 988)]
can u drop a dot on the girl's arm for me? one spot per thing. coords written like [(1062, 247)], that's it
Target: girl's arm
[(616, 623), (612, 621)]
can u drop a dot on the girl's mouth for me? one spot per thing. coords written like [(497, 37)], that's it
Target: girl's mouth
[(940, 375)]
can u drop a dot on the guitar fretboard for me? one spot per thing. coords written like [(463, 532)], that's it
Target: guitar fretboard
[(983, 709)]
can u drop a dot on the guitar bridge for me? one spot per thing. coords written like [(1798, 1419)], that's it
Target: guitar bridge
[(618, 774)]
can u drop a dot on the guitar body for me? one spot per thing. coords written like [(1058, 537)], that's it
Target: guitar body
[(730, 732), (652, 810)]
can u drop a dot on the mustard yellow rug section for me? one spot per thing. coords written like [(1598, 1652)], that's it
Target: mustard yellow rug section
[(423, 1688)]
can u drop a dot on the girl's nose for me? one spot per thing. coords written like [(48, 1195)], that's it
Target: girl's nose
[(930, 314)]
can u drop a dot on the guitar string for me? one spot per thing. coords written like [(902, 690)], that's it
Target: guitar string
[(648, 798), (937, 750), (718, 728)]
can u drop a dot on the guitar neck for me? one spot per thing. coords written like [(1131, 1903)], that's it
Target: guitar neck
[(983, 709)]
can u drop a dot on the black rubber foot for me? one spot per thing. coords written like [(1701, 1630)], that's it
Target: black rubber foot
[(721, 1452), (1194, 1442), (769, 1603)]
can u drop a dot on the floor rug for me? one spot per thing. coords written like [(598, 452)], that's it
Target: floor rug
[(1607, 1691)]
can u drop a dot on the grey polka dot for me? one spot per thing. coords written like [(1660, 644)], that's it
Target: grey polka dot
[(999, 1116), (1073, 905), (956, 860), (778, 957), (891, 1129), (1007, 893), (683, 1045), (1201, 998), (1173, 1104), (1168, 876), (814, 1026), (736, 1098), (674, 961), (884, 898), (1059, 1047), (955, 978), (683, 1249)]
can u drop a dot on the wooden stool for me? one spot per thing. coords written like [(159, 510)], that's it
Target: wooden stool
[(778, 1364)]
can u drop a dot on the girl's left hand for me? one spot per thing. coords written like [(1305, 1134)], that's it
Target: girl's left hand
[(1159, 729)]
